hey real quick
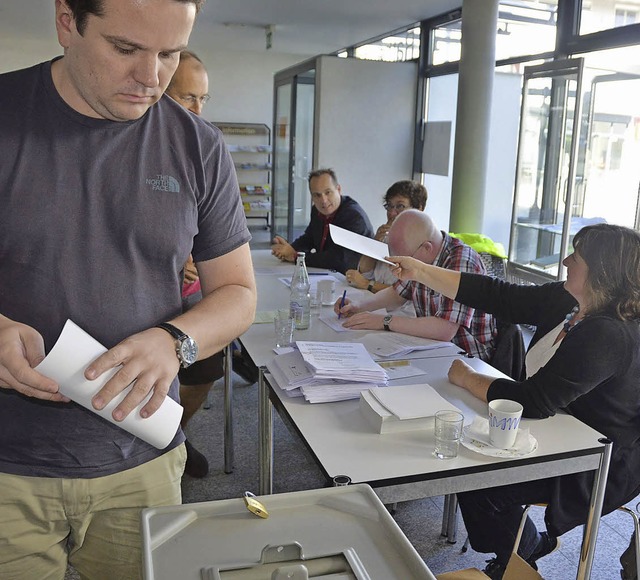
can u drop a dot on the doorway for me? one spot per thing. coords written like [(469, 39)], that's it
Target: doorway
[(294, 110)]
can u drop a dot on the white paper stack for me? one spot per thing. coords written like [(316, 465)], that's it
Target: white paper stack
[(339, 360), (384, 344), (402, 408), (298, 377)]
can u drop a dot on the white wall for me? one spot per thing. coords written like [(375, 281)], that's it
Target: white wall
[(241, 84), (365, 126)]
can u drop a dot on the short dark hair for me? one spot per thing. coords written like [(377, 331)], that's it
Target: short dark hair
[(321, 172), (82, 8), (612, 254), (416, 192)]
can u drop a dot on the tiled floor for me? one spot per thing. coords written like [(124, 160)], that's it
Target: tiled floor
[(424, 534)]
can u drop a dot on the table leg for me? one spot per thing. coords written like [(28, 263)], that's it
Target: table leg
[(265, 433), (595, 510), (450, 518), (228, 411)]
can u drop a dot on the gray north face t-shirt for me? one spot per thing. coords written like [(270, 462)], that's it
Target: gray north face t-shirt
[(97, 219)]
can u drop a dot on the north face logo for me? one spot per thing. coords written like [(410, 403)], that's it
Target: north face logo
[(163, 183)]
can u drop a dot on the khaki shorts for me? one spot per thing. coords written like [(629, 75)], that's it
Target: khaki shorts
[(94, 524)]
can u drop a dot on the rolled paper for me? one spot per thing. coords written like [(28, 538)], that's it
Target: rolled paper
[(72, 353)]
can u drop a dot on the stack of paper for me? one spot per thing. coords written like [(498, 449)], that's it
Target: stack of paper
[(383, 344), (353, 370), (337, 360), (402, 408)]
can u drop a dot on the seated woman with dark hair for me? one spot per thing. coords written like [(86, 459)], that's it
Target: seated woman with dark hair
[(371, 274), (584, 359)]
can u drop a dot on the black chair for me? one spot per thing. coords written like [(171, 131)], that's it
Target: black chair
[(510, 350)]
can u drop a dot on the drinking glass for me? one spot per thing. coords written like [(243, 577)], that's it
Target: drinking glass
[(284, 325), (448, 431)]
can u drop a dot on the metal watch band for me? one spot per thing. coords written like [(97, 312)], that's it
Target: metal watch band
[(386, 321)]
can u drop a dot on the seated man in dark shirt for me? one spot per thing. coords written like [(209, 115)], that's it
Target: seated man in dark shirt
[(329, 207)]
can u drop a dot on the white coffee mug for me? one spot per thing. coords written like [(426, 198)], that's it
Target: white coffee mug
[(504, 419)]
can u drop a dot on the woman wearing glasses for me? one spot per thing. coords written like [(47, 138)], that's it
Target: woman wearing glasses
[(373, 275), (584, 359)]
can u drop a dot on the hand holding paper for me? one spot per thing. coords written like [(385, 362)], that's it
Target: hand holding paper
[(66, 363), (21, 348)]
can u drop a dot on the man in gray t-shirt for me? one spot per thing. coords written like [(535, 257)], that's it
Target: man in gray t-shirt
[(106, 187)]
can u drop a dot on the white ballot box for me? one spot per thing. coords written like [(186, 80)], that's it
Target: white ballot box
[(340, 533)]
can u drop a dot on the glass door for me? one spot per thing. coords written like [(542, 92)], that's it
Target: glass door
[(281, 155), (608, 168), (293, 156), (544, 217)]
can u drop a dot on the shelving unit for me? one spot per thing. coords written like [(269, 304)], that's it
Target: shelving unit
[(250, 147)]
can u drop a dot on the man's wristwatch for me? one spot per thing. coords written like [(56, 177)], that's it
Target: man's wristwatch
[(386, 321), (370, 286), (186, 347)]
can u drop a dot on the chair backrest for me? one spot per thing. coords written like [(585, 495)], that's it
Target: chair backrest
[(510, 350), (496, 267)]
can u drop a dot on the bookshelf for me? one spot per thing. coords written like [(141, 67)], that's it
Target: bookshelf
[(250, 148)]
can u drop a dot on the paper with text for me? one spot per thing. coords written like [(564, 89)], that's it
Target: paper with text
[(383, 344)]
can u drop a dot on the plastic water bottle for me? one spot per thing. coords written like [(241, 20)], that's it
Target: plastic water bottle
[(300, 301)]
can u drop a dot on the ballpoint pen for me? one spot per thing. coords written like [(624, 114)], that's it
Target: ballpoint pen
[(344, 295)]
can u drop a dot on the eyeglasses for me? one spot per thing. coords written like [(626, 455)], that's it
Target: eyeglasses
[(191, 100), (417, 249), (398, 207)]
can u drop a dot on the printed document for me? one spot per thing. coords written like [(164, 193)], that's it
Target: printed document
[(385, 344)]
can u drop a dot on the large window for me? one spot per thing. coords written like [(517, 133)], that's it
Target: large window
[(597, 15), (398, 47), (524, 28)]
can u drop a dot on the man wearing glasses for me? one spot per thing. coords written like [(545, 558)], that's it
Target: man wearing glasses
[(190, 83), (190, 87), (375, 276), (415, 234)]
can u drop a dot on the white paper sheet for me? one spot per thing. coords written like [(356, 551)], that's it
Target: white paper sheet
[(401, 369), (341, 360), (332, 321), (66, 363), (412, 401), (361, 244), (384, 344)]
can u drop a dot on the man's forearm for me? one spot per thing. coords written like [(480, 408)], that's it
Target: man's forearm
[(219, 318), (425, 327)]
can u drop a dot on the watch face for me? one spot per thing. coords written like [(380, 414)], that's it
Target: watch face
[(189, 351)]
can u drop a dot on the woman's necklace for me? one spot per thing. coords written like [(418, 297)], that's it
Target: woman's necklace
[(569, 324)]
